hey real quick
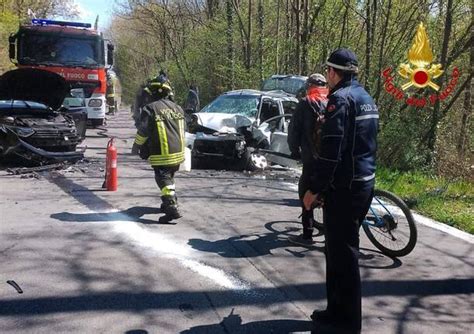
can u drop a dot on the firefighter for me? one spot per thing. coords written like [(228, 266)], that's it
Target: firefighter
[(110, 92), (142, 98), (302, 135), (145, 96), (344, 177), (160, 139)]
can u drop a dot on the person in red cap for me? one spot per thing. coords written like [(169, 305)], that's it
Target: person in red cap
[(344, 178), (302, 141)]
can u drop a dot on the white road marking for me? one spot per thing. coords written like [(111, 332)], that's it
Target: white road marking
[(163, 246), (443, 228)]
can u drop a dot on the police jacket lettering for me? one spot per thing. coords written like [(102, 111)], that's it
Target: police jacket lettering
[(161, 128), (348, 139)]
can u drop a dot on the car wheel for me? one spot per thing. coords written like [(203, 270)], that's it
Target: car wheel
[(253, 161), (257, 161)]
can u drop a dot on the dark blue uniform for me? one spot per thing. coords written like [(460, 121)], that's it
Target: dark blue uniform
[(345, 175)]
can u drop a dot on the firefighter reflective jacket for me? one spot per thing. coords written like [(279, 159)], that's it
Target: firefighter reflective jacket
[(161, 129), (110, 87)]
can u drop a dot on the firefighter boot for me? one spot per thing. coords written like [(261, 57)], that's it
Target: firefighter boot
[(170, 207)]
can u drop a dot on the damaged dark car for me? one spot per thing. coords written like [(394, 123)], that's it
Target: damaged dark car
[(291, 84), (238, 126), (35, 125)]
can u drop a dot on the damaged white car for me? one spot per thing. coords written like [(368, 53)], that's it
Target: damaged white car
[(247, 127)]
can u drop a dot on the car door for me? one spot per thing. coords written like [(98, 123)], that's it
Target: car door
[(279, 151)]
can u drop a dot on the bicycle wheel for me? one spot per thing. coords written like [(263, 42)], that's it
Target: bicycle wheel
[(318, 218), (389, 225)]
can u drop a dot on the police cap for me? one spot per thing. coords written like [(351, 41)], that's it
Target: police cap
[(344, 60)]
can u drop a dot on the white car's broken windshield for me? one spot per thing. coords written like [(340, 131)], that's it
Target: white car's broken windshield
[(245, 105)]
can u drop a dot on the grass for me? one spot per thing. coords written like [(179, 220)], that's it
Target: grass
[(447, 201)]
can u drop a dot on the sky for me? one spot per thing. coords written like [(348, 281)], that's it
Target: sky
[(89, 9)]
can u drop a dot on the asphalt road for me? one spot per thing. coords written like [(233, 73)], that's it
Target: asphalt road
[(92, 261)]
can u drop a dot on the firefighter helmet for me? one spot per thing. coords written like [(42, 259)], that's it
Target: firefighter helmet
[(159, 87)]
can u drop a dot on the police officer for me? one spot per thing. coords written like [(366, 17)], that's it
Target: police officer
[(344, 180), (160, 139), (302, 136)]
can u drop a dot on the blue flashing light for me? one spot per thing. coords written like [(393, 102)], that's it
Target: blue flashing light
[(43, 22)]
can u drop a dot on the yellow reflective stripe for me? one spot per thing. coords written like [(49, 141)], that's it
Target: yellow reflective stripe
[(171, 186), (168, 190), (140, 140), (111, 95), (160, 84), (168, 156), (166, 163), (148, 90), (181, 133), (177, 158), (162, 137)]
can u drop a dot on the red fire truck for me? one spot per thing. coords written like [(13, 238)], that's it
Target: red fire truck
[(72, 49)]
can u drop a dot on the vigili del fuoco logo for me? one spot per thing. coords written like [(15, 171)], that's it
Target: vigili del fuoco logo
[(420, 73)]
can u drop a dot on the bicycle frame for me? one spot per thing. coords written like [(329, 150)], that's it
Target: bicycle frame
[(377, 221)]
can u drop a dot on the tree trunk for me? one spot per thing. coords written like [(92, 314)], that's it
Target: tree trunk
[(435, 117), (260, 38), (368, 43), (248, 56), (277, 46), (212, 7), (344, 23), (467, 110), (305, 38), (381, 51), (296, 13), (230, 43), (289, 44)]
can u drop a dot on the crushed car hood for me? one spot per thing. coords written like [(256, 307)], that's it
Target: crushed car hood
[(224, 123), (35, 85)]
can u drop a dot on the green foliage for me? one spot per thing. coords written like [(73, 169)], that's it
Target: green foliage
[(8, 25), (445, 200)]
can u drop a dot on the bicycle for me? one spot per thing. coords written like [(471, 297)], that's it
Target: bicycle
[(389, 224)]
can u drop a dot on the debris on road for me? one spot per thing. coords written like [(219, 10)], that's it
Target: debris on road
[(15, 285), (25, 170)]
